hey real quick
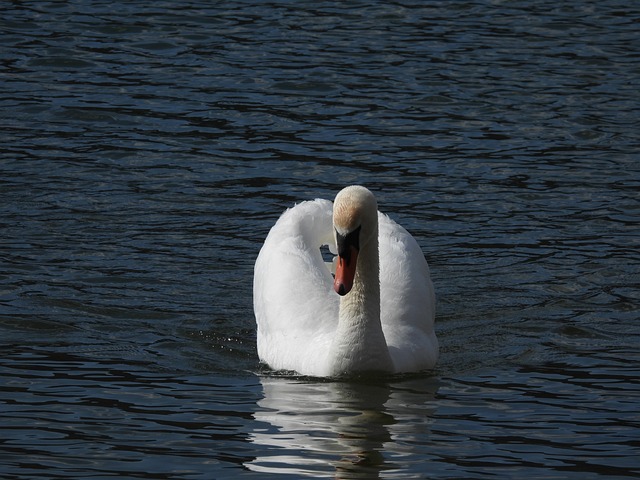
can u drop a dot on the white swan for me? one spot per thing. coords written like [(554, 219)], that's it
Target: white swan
[(376, 315)]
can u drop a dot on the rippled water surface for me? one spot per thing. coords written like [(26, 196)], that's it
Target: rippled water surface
[(147, 148)]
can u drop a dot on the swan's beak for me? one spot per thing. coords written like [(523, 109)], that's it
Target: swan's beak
[(345, 272), (347, 261)]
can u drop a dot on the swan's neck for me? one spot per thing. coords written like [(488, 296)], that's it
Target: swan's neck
[(359, 344)]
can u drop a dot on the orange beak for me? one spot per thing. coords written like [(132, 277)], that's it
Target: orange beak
[(346, 271)]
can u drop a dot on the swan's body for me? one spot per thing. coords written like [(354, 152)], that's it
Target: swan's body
[(378, 313)]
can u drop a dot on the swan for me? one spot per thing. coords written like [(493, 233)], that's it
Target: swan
[(374, 314)]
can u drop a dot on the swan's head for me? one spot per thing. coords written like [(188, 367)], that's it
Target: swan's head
[(355, 221)]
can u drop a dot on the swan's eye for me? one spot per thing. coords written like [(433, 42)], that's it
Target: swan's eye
[(345, 242)]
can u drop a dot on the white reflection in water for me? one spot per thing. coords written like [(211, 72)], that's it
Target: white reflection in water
[(341, 429)]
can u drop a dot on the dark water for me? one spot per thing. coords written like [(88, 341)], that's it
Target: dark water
[(147, 148)]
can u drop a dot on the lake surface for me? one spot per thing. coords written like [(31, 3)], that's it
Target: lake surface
[(148, 147)]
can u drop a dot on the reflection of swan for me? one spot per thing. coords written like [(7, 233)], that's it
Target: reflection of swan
[(382, 319), (341, 430)]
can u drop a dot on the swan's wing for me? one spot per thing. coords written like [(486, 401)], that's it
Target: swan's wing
[(295, 307), (407, 299)]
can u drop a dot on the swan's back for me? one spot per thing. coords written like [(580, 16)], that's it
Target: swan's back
[(295, 306), (407, 299)]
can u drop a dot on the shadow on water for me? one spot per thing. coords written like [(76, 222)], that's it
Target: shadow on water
[(342, 429)]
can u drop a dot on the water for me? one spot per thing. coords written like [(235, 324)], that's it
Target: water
[(148, 148)]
